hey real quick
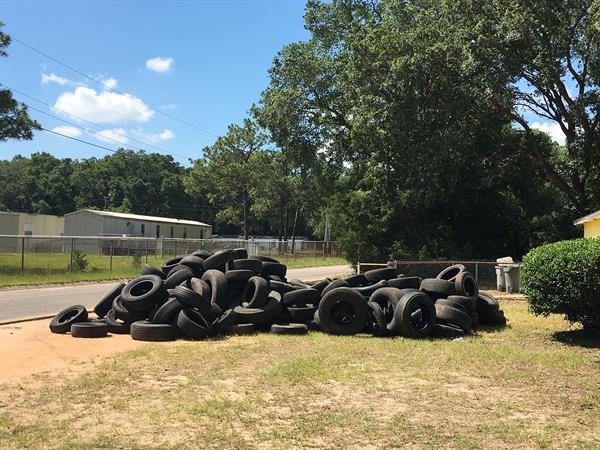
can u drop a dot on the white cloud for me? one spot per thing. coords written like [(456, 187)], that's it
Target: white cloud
[(103, 107), (68, 131), (53, 78), (160, 64), (109, 83), (115, 134), (551, 128), (152, 138)]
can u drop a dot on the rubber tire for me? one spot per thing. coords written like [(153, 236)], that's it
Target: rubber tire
[(122, 313), (95, 329), (301, 314), (220, 259), (466, 285), (281, 287), (146, 300), (387, 299), (204, 254), (290, 328), (105, 305), (452, 304), (453, 316), (223, 323), (193, 325), (437, 288), (61, 323), (355, 316), (200, 287), (446, 331), (256, 292), (192, 298), (301, 297), (357, 280), (376, 323), (467, 302), (240, 329), (474, 319), (147, 269), (264, 259), (247, 264), (239, 276), (167, 311), (259, 316), (402, 322), (193, 262), (116, 326), (273, 268), (170, 264), (178, 276), (386, 273), (406, 283), (319, 286), (450, 273), (145, 330), (333, 285), (218, 287), (367, 291), (487, 307), (242, 252)]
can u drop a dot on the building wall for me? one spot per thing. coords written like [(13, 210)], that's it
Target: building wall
[(117, 226), (83, 223), (592, 228), (9, 224), (41, 224)]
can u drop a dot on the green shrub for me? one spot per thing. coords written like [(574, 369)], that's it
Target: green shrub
[(80, 262), (564, 278)]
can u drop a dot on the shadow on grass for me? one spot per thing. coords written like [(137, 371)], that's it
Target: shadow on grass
[(578, 338)]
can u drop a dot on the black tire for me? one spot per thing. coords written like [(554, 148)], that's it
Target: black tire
[(220, 259), (376, 275), (437, 288), (343, 311), (256, 292), (496, 320), (178, 276), (487, 307), (246, 264), (440, 330), (273, 268), (450, 273), (170, 264), (452, 304), (239, 276), (193, 324), (453, 316), (122, 313), (387, 298), (474, 319), (290, 328), (367, 291), (241, 252), (147, 269), (193, 262), (201, 287), (319, 286), (376, 323), (466, 285), (116, 326), (259, 316), (223, 323), (301, 314), (192, 298), (218, 287), (281, 287), (356, 280), (468, 303), (240, 329), (264, 258), (61, 323), (405, 282), (204, 254), (299, 284), (301, 297), (167, 311), (408, 324), (145, 330), (333, 285), (94, 329), (105, 305), (143, 293), (214, 313)]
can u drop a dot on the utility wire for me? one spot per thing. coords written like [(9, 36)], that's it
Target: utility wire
[(185, 122), (85, 120), (79, 140)]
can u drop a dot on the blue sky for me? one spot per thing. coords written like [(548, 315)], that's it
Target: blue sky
[(204, 62)]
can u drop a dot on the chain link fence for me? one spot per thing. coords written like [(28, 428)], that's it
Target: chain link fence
[(483, 271), (39, 255)]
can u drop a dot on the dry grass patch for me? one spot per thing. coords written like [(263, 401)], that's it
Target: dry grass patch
[(520, 387)]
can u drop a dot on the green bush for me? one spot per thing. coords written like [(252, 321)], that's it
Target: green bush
[(80, 262), (564, 278)]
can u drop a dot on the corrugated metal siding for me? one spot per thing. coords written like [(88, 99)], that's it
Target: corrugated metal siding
[(592, 228), (83, 223), (42, 224), (117, 226)]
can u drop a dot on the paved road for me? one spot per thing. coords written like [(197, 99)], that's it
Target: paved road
[(27, 302)]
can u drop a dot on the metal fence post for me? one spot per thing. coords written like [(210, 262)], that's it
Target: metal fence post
[(146, 250), (22, 256), (110, 256), (476, 271), (71, 257)]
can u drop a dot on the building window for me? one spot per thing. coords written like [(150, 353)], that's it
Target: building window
[(185, 232), (143, 228), (28, 229), (157, 231), (172, 231)]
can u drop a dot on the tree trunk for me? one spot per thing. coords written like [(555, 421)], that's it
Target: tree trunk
[(245, 216), (294, 229)]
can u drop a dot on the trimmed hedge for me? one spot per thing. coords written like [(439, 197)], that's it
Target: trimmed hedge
[(564, 278)]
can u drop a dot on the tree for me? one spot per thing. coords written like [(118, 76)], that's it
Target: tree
[(15, 123)]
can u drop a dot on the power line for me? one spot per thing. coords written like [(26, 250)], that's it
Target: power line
[(79, 140), (87, 121), (185, 122)]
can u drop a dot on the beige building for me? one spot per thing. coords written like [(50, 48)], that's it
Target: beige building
[(25, 224)]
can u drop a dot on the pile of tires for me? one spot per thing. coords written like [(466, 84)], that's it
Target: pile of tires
[(206, 294)]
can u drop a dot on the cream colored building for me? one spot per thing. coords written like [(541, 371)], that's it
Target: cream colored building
[(17, 223)]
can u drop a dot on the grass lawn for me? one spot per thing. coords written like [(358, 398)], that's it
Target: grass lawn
[(43, 268), (535, 384)]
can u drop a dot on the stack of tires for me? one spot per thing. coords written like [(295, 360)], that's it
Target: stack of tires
[(205, 294)]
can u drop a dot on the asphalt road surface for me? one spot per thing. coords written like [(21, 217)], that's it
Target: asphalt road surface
[(28, 302)]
